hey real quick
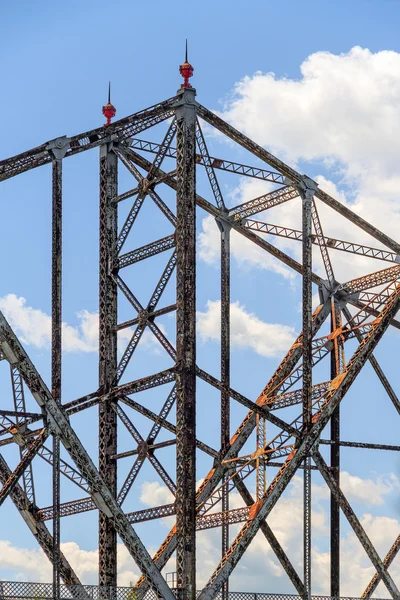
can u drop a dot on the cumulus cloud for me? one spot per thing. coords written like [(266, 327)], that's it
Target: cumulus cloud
[(33, 327), (343, 107), (33, 565), (247, 330), (367, 490), (154, 493), (341, 116)]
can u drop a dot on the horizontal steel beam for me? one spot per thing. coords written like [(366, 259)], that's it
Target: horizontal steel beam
[(216, 163), (152, 249), (119, 130), (317, 240)]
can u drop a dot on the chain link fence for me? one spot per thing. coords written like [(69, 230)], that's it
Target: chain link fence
[(14, 590)]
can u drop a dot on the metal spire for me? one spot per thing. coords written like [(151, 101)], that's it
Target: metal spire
[(186, 70), (109, 109)]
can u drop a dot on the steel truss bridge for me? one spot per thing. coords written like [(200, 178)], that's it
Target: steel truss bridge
[(359, 311)]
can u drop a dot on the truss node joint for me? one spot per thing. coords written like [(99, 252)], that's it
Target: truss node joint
[(58, 147)]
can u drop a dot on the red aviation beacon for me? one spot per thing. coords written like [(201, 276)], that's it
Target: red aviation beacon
[(186, 70), (109, 110)]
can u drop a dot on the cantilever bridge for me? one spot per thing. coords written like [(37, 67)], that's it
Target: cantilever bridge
[(37, 422)]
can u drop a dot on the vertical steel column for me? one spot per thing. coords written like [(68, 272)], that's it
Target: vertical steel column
[(107, 356), (335, 466), (58, 150), (307, 190), (186, 344), (225, 378)]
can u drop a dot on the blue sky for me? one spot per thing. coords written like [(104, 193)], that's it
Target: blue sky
[(329, 110)]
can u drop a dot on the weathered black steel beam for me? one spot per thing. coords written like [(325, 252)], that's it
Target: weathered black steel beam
[(307, 189), (56, 351), (186, 345), (225, 377), (107, 357), (335, 466)]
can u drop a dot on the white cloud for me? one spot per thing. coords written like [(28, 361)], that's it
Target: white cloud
[(33, 327), (154, 493), (343, 107), (366, 490), (342, 114), (28, 565), (247, 330), (33, 565)]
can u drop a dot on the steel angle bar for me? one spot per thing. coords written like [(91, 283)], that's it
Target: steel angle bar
[(362, 445), (101, 494), (262, 203), (323, 249), (154, 182), (133, 387), (143, 322), (146, 251), (217, 163), (151, 447), (143, 452), (372, 280), (321, 240), (145, 183)]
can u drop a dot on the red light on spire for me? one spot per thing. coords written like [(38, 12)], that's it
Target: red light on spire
[(186, 70), (109, 110)]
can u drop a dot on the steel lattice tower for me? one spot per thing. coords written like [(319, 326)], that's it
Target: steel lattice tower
[(360, 310)]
